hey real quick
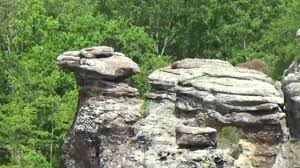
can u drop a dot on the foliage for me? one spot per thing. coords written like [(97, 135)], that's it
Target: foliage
[(148, 64), (278, 46), (210, 28), (229, 136), (38, 100)]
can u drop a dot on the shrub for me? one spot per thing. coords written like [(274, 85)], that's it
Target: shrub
[(229, 136), (256, 64), (148, 64)]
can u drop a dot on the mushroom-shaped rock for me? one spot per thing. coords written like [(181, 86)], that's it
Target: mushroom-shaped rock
[(196, 137), (101, 135), (98, 63)]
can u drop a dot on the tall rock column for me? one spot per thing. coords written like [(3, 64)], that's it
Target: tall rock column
[(101, 135), (291, 90)]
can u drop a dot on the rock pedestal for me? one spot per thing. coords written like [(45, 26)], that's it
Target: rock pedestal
[(102, 133)]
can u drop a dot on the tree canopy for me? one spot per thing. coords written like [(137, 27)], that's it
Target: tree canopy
[(38, 100)]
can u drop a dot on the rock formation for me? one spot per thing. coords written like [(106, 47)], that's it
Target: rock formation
[(196, 137), (102, 131), (291, 90), (212, 93), (290, 151), (193, 105)]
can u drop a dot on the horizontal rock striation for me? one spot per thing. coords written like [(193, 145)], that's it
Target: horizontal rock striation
[(96, 63), (196, 137), (203, 93), (102, 133), (193, 105)]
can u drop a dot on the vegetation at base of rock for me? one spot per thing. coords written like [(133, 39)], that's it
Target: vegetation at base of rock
[(236, 150), (38, 100), (229, 136), (145, 109)]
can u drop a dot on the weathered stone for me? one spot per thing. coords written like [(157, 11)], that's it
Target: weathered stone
[(218, 86), (196, 137), (245, 119), (291, 90), (156, 137), (108, 130), (288, 155), (199, 63), (102, 133), (97, 52), (217, 95), (116, 67)]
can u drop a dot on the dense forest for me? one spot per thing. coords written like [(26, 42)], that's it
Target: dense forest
[(38, 100)]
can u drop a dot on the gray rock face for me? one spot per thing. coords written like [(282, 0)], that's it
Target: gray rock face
[(196, 137), (97, 52), (111, 67), (102, 133), (288, 156), (291, 90), (210, 93), (190, 102), (156, 137), (238, 96)]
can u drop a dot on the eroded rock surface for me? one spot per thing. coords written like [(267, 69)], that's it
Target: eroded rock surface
[(196, 137), (291, 90), (213, 93), (289, 154), (102, 133), (95, 63), (190, 103)]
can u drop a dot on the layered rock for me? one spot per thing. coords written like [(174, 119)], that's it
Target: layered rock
[(291, 90), (212, 93), (194, 137), (190, 103), (102, 133), (157, 142)]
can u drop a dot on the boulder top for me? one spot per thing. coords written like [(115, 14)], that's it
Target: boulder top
[(99, 62)]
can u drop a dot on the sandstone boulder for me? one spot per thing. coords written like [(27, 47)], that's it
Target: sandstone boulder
[(97, 52), (111, 67), (245, 96)]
